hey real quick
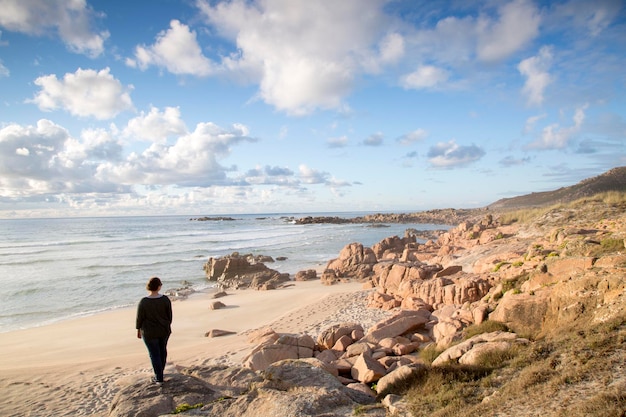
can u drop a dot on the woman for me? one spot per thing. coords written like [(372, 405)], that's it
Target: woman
[(154, 319)]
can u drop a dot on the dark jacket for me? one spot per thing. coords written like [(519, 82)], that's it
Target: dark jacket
[(154, 317)]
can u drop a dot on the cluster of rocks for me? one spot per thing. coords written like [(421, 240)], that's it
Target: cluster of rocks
[(438, 216), (212, 218), (238, 271), (341, 370), (532, 279)]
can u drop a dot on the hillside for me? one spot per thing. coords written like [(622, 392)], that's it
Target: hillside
[(612, 180)]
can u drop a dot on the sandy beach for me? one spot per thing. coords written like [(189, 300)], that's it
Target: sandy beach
[(72, 368)]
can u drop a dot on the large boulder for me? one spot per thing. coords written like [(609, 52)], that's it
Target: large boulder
[(242, 271), (328, 337), (138, 397), (523, 313), (285, 347), (399, 324), (355, 261), (393, 247), (469, 351)]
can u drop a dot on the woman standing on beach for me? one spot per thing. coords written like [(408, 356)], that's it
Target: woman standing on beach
[(154, 319)]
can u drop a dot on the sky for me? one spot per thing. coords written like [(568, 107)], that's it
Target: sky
[(205, 107)]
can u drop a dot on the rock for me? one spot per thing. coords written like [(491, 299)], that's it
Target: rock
[(218, 333), (413, 302), (367, 370), (263, 358), (567, 267), (141, 397), (522, 313), (220, 294), (228, 380), (292, 388), (455, 352), (328, 367), (275, 349), (445, 290), (399, 375), (216, 305), (396, 405), (361, 387), (397, 326), (328, 355), (357, 349), (308, 275), (263, 335), (342, 343), (327, 338), (242, 271), (447, 331), (289, 374), (451, 270), (473, 356), (354, 261)]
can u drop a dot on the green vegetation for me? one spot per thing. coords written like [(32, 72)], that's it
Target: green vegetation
[(499, 265), (514, 283), (363, 409), (186, 407), (571, 359), (430, 353), (527, 215), (486, 326), (612, 245)]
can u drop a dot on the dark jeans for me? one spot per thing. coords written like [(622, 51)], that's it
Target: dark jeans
[(157, 348)]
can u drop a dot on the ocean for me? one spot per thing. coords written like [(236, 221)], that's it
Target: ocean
[(58, 269)]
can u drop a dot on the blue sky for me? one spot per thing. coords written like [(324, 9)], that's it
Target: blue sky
[(269, 106)]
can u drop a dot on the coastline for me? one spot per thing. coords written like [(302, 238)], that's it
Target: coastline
[(71, 367)]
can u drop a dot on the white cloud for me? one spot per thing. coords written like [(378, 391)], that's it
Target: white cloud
[(175, 49), (337, 142), (450, 154), (535, 69), (305, 55), (375, 139), (311, 176), (269, 175), (191, 161), (510, 161), (592, 16), (425, 77), (46, 159), (84, 93), (156, 126), (556, 137), (417, 135), (517, 24), (70, 20), (531, 122), (4, 71), (392, 48)]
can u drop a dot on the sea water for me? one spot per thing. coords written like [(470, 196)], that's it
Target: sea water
[(57, 269)]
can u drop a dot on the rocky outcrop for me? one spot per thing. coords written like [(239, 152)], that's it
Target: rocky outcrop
[(470, 351), (243, 271), (306, 275), (438, 216), (354, 262), (286, 388)]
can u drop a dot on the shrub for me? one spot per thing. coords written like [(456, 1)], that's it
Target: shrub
[(430, 353), (499, 265), (494, 359), (186, 407), (486, 326)]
